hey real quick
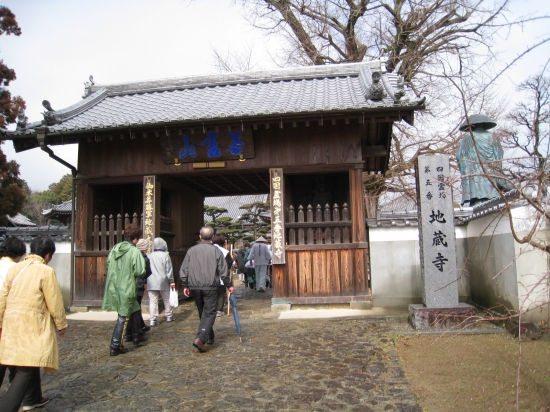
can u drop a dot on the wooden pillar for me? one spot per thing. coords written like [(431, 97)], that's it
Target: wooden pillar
[(85, 218), (359, 231)]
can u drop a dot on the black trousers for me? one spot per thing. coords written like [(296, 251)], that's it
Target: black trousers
[(206, 304), (250, 277), (133, 322), (129, 331), (25, 387), (11, 375), (222, 297)]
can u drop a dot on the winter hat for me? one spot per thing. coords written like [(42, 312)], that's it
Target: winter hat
[(143, 245)]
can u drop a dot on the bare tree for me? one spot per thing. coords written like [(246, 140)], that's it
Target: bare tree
[(424, 41), (526, 135), (527, 138), (409, 32), (234, 60)]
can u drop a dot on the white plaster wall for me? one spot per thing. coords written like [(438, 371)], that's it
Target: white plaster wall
[(533, 266), (490, 263), (505, 272), (61, 263), (395, 266), (462, 275)]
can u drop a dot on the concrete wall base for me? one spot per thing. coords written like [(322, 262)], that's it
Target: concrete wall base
[(74, 309), (360, 305)]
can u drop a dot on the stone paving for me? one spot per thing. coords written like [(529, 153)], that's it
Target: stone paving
[(342, 364)]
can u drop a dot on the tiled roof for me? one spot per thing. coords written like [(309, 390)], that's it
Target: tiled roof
[(400, 203), (304, 90), (20, 220), (404, 214), (402, 218), (27, 234), (63, 209)]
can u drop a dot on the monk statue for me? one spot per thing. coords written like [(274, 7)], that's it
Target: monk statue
[(476, 185)]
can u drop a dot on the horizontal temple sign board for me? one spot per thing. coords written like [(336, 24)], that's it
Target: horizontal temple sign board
[(277, 216), (208, 145)]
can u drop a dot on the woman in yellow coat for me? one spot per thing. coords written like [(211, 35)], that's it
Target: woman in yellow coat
[(31, 309)]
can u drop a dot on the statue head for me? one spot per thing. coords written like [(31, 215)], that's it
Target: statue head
[(21, 119), (376, 90), (478, 121)]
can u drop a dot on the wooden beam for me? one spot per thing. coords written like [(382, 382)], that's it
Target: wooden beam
[(229, 181), (374, 151), (213, 182), (207, 189), (247, 182)]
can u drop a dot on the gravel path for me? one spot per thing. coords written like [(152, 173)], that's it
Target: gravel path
[(341, 364)]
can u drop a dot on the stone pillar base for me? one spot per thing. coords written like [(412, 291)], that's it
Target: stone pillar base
[(457, 317), (281, 307)]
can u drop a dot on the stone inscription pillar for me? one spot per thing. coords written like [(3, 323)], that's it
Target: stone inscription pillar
[(441, 309), (437, 232)]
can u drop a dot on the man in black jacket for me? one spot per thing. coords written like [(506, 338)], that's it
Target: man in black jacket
[(201, 270)]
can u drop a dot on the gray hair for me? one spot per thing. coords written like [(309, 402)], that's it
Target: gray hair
[(207, 232)]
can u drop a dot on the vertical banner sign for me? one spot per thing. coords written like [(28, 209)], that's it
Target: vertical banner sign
[(437, 234), (277, 216), (149, 210)]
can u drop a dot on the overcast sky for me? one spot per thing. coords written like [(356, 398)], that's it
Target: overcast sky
[(66, 41)]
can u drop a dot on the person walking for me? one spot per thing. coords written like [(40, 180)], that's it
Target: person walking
[(124, 264), (31, 309), (12, 250), (238, 262), (143, 246), (260, 255), (202, 268), (250, 273), (160, 281), (219, 241)]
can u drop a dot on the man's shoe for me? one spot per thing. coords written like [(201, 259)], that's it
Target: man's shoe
[(140, 339), (199, 345), (171, 318), (219, 313), (128, 339), (153, 323), (210, 341), (261, 290), (119, 351), (146, 329), (40, 404)]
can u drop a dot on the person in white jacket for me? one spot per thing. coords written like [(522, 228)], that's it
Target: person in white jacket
[(160, 281)]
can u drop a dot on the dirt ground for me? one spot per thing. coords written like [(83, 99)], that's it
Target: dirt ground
[(476, 372)]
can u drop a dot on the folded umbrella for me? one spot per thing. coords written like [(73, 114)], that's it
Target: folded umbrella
[(233, 302)]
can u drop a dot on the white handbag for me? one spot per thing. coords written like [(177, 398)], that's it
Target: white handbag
[(174, 301)]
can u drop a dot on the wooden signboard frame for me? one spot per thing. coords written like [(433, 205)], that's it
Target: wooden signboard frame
[(276, 184), (212, 145)]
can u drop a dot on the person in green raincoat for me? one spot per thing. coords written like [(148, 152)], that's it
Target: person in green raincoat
[(124, 264)]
